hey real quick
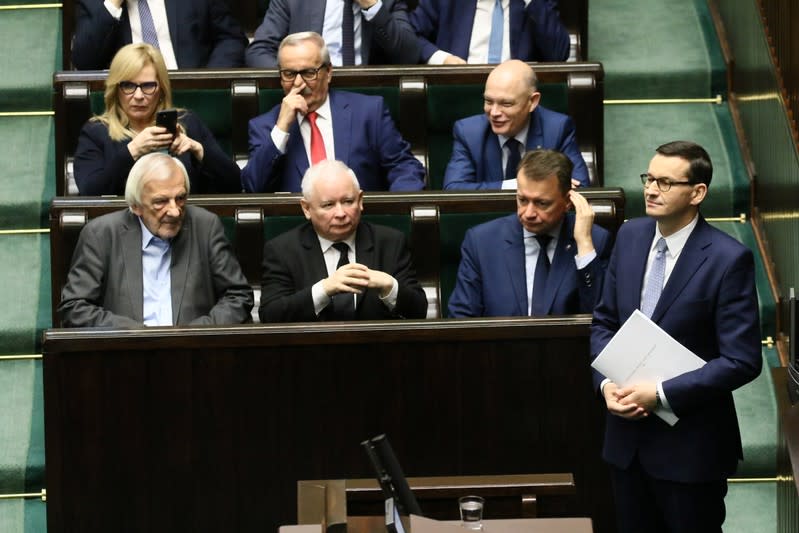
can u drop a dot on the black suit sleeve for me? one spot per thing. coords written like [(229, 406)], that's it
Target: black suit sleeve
[(393, 34), (98, 35), (101, 164), (281, 301)]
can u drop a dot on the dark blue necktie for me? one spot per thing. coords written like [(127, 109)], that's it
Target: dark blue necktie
[(148, 33), (347, 35), (540, 277), (343, 302), (514, 156)]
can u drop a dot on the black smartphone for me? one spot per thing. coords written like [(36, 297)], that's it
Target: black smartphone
[(168, 118)]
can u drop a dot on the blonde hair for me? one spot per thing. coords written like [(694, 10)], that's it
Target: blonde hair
[(127, 63)]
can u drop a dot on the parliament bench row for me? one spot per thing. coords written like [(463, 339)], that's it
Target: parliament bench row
[(250, 13), (424, 101), (434, 222)]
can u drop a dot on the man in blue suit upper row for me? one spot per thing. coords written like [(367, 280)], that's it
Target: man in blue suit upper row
[(313, 123), (698, 284), (486, 148), (540, 261)]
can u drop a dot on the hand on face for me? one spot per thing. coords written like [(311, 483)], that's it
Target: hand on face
[(294, 102), (583, 222)]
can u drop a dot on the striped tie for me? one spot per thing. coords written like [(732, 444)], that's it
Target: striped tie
[(654, 283), (148, 33)]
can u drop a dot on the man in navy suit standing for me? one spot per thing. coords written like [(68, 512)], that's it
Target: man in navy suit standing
[(312, 124), (540, 261), (489, 31), (698, 284), (189, 33), (486, 148)]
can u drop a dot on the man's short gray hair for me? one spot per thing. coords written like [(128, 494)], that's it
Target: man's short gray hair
[(296, 38), (152, 165), (325, 168)]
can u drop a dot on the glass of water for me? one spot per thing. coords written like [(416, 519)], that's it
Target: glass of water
[(472, 512)]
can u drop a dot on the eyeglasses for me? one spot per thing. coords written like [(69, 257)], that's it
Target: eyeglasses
[(663, 184), (308, 74), (128, 87)]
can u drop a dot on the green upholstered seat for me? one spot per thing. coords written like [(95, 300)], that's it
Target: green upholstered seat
[(28, 38), (27, 185)]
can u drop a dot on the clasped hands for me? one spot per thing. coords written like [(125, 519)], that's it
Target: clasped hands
[(355, 278), (633, 402)]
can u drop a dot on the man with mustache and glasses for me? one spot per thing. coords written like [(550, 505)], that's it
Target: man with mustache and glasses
[(312, 124), (159, 263)]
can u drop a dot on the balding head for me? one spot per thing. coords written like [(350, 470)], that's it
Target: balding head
[(510, 96)]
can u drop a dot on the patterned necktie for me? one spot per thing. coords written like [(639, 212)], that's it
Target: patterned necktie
[(148, 33), (343, 302), (540, 278), (514, 156), (347, 35), (317, 144), (654, 283), (497, 30)]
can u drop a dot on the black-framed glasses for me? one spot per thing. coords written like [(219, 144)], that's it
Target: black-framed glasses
[(308, 74), (663, 184), (128, 87)]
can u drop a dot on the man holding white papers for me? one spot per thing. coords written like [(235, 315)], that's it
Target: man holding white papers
[(697, 284)]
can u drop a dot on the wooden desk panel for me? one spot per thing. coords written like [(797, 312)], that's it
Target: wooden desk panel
[(209, 429)]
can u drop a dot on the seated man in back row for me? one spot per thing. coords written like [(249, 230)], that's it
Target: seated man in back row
[(158, 263), (336, 267), (312, 124), (486, 148), (541, 261)]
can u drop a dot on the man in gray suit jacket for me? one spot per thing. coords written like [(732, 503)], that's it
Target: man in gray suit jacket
[(382, 33), (158, 263)]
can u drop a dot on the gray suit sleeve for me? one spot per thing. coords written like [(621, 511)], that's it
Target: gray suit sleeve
[(84, 293)]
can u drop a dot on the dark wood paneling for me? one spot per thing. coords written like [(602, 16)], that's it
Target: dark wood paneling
[(209, 429)]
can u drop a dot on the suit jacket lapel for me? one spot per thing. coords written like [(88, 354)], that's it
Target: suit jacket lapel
[(316, 15), (515, 22), (564, 253), (515, 261), (462, 32), (535, 132), (295, 153), (365, 253), (493, 156), (693, 254), (131, 266), (342, 127), (635, 255), (179, 269), (309, 241)]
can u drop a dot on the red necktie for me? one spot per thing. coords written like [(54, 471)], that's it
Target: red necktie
[(317, 144)]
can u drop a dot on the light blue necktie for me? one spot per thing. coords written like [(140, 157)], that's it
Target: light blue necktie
[(148, 33), (654, 284), (497, 29)]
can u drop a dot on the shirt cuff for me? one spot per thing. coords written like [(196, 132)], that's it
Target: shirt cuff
[(280, 138), (390, 300), (509, 185), (370, 13), (438, 57), (115, 11), (602, 386), (663, 401), (527, 2), (320, 297), (582, 261)]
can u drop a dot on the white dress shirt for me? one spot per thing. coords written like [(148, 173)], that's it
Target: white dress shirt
[(324, 122), (510, 184), (332, 28), (158, 12), (481, 34)]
